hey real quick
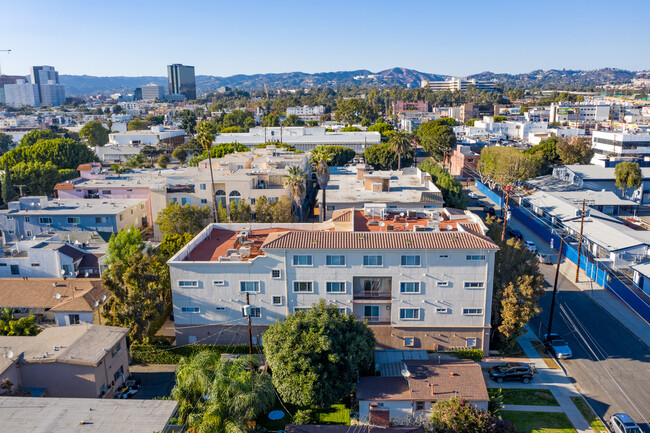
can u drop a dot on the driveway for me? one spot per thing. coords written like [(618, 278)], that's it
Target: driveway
[(156, 380)]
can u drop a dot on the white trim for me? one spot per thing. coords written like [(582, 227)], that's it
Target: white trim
[(409, 318), (188, 284), (243, 282), (303, 291), (478, 312)]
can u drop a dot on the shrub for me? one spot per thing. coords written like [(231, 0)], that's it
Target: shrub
[(476, 355), (166, 354), (305, 416)]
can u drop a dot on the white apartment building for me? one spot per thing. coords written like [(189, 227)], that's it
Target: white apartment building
[(22, 93), (306, 110), (619, 143), (420, 280), (581, 113), (459, 83)]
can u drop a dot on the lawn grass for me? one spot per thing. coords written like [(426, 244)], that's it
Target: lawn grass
[(589, 415), (337, 414), (548, 359), (539, 422), (533, 397)]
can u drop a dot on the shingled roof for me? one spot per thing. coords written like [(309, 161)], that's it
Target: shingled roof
[(378, 240)]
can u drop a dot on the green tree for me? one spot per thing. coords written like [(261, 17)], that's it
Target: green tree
[(350, 129), (241, 212), (321, 157), (62, 152), (138, 296), (95, 133), (436, 138), (240, 118), (36, 135), (263, 210), (117, 109), (316, 355), (171, 244), (341, 155), (188, 121), (352, 110), (457, 415), (296, 180), (137, 125), (292, 120), (628, 175), (470, 122), (221, 396), (6, 143), (450, 187), (270, 120), (222, 213), (498, 119), (381, 127), (123, 245), (506, 166), (382, 157), (8, 190), (205, 138), (175, 218), (163, 161), (282, 210), (400, 143), (575, 150), (11, 326), (149, 152), (39, 178), (232, 129), (546, 152), (180, 154), (157, 119)]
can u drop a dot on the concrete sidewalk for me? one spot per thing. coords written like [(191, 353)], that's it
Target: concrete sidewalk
[(608, 302), (532, 408)]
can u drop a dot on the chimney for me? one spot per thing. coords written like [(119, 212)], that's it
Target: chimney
[(361, 171), (379, 417), (432, 390)]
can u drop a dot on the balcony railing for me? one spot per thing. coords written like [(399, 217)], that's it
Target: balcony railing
[(372, 294), (375, 320)]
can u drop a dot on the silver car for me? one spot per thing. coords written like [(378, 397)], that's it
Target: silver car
[(560, 349)]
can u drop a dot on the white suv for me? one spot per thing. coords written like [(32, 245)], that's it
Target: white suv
[(622, 423)]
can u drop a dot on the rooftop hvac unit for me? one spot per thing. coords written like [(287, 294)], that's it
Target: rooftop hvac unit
[(245, 251), (419, 228)]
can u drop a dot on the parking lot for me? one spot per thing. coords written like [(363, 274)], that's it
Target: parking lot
[(156, 380)]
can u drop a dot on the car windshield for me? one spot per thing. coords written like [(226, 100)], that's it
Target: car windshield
[(558, 343), (633, 430)]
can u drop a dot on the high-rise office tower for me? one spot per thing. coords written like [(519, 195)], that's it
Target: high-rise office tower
[(51, 92), (152, 91), (182, 80)]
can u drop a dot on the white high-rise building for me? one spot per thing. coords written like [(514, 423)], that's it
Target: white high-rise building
[(152, 91), (22, 93), (50, 91)]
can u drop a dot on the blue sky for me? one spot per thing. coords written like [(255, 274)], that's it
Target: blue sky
[(140, 37)]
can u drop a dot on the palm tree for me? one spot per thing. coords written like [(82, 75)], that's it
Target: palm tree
[(400, 143), (321, 156), (205, 137), (296, 179)]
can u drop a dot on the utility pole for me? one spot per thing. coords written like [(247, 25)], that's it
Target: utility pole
[(508, 190), (20, 190), (582, 223), (557, 275), (250, 337)]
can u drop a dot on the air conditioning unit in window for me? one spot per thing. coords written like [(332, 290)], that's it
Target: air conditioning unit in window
[(218, 283), (409, 341)]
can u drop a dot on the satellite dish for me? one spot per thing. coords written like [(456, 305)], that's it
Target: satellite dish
[(401, 214), (406, 373), (381, 223), (86, 274), (103, 298), (406, 225), (57, 296), (62, 271), (96, 304), (9, 354)]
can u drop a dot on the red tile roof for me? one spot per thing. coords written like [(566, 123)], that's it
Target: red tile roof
[(378, 240)]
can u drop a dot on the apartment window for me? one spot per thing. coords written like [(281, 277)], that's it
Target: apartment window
[(419, 405), (409, 313), (471, 342), (190, 309), (474, 284), (472, 311), (121, 217), (276, 274), (256, 312), (9, 217), (343, 310), (202, 186), (27, 219), (443, 256), (28, 233), (277, 300), (335, 287), (249, 286), (373, 260), (106, 191), (409, 287), (218, 283), (296, 309), (442, 283), (73, 318), (302, 260), (116, 349), (411, 260), (73, 220), (204, 201), (119, 373), (142, 206), (131, 211), (185, 200), (188, 283), (338, 260), (252, 201), (45, 220), (475, 257), (15, 270), (220, 308), (36, 265), (173, 200), (101, 220), (441, 310), (303, 286)]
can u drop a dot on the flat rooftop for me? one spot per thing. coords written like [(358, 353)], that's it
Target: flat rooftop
[(405, 187), (447, 228), (77, 207), (65, 415)]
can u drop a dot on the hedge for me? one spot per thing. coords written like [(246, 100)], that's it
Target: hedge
[(166, 354), (473, 354)]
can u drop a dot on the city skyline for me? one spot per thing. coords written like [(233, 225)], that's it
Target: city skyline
[(226, 39)]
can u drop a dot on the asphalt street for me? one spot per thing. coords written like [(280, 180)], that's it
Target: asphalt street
[(610, 365)]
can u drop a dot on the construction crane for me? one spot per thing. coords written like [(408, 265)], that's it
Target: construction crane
[(6, 51)]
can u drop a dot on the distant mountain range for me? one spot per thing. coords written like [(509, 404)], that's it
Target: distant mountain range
[(81, 85)]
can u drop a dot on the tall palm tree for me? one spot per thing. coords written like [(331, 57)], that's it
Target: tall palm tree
[(296, 180), (400, 143), (205, 136), (321, 156)]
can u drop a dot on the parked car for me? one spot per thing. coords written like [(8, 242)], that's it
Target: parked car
[(531, 246), (622, 423), (472, 195), (514, 233), (126, 392), (560, 348), (489, 210), (544, 258), (511, 371)]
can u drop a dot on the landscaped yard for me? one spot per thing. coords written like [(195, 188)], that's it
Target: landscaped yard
[(539, 422), (589, 415), (338, 414), (534, 397)]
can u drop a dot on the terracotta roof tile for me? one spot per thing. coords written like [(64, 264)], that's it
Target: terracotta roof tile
[(64, 185), (379, 240)]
